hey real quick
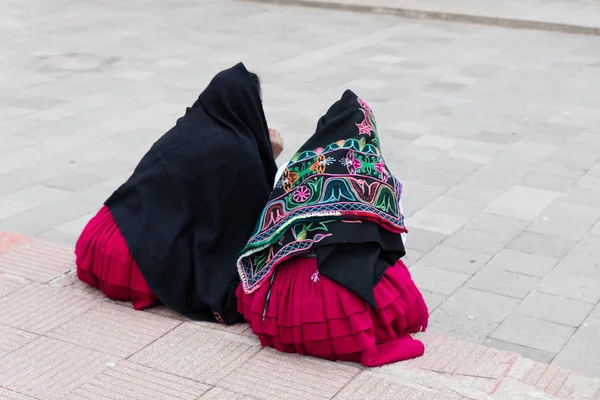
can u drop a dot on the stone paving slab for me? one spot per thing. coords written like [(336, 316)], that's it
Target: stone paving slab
[(580, 16), (110, 351), (474, 120)]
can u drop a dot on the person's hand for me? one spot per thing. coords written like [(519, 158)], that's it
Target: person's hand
[(276, 142)]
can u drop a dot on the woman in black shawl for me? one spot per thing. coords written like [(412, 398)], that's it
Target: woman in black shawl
[(321, 274), (173, 231)]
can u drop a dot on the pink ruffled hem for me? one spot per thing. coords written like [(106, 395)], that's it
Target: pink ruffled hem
[(326, 320)]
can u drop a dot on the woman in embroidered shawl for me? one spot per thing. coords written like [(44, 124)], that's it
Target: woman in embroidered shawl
[(173, 231), (321, 274)]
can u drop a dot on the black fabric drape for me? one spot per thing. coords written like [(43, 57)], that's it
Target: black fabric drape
[(358, 255), (192, 201)]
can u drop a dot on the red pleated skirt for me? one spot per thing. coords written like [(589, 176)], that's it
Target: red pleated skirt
[(104, 261), (310, 314)]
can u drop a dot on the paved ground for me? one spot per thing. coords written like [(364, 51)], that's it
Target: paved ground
[(61, 340), (495, 133), (574, 16)]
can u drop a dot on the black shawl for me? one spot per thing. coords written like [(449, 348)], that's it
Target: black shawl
[(336, 199), (192, 201)]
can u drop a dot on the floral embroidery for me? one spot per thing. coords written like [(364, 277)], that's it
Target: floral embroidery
[(351, 163), (315, 277), (288, 178), (301, 194), (380, 166), (364, 105), (320, 164), (365, 127)]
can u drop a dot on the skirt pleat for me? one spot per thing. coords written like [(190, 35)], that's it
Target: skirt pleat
[(104, 261), (321, 318)]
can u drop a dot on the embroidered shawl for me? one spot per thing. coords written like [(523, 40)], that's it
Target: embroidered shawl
[(338, 177)]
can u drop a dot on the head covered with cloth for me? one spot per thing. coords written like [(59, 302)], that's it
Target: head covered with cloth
[(322, 274), (192, 201), (337, 199)]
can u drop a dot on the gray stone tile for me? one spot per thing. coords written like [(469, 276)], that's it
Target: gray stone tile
[(438, 280), (576, 277), (20, 158), (46, 216), (523, 263), (582, 197), (564, 220), (75, 226), (589, 245), (108, 168), (9, 207), (74, 181), (534, 333), (411, 257), (470, 192), (589, 182), (557, 129), (436, 142), (456, 165), (95, 194), (486, 243), (561, 169), (422, 241), (534, 243), (440, 222), (529, 151), (454, 259), (523, 202), (55, 236), (433, 300), (503, 282), (460, 326), (501, 175), (11, 182), (582, 352), (577, 154), (595, 230), (424, 172), (495, 137), (417, 195), (504, 227), (554, 308), (485, 149), (478, 304), (38, 194), (527, 352), (574, 117), (460, 208), (546, 181), (481, 70), (414, 153)]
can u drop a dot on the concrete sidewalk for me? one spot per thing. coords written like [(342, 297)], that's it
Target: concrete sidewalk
[(60, 339), (571, 16)]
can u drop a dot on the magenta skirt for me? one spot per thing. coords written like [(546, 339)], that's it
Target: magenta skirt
[(103, 261), (310, 314)]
